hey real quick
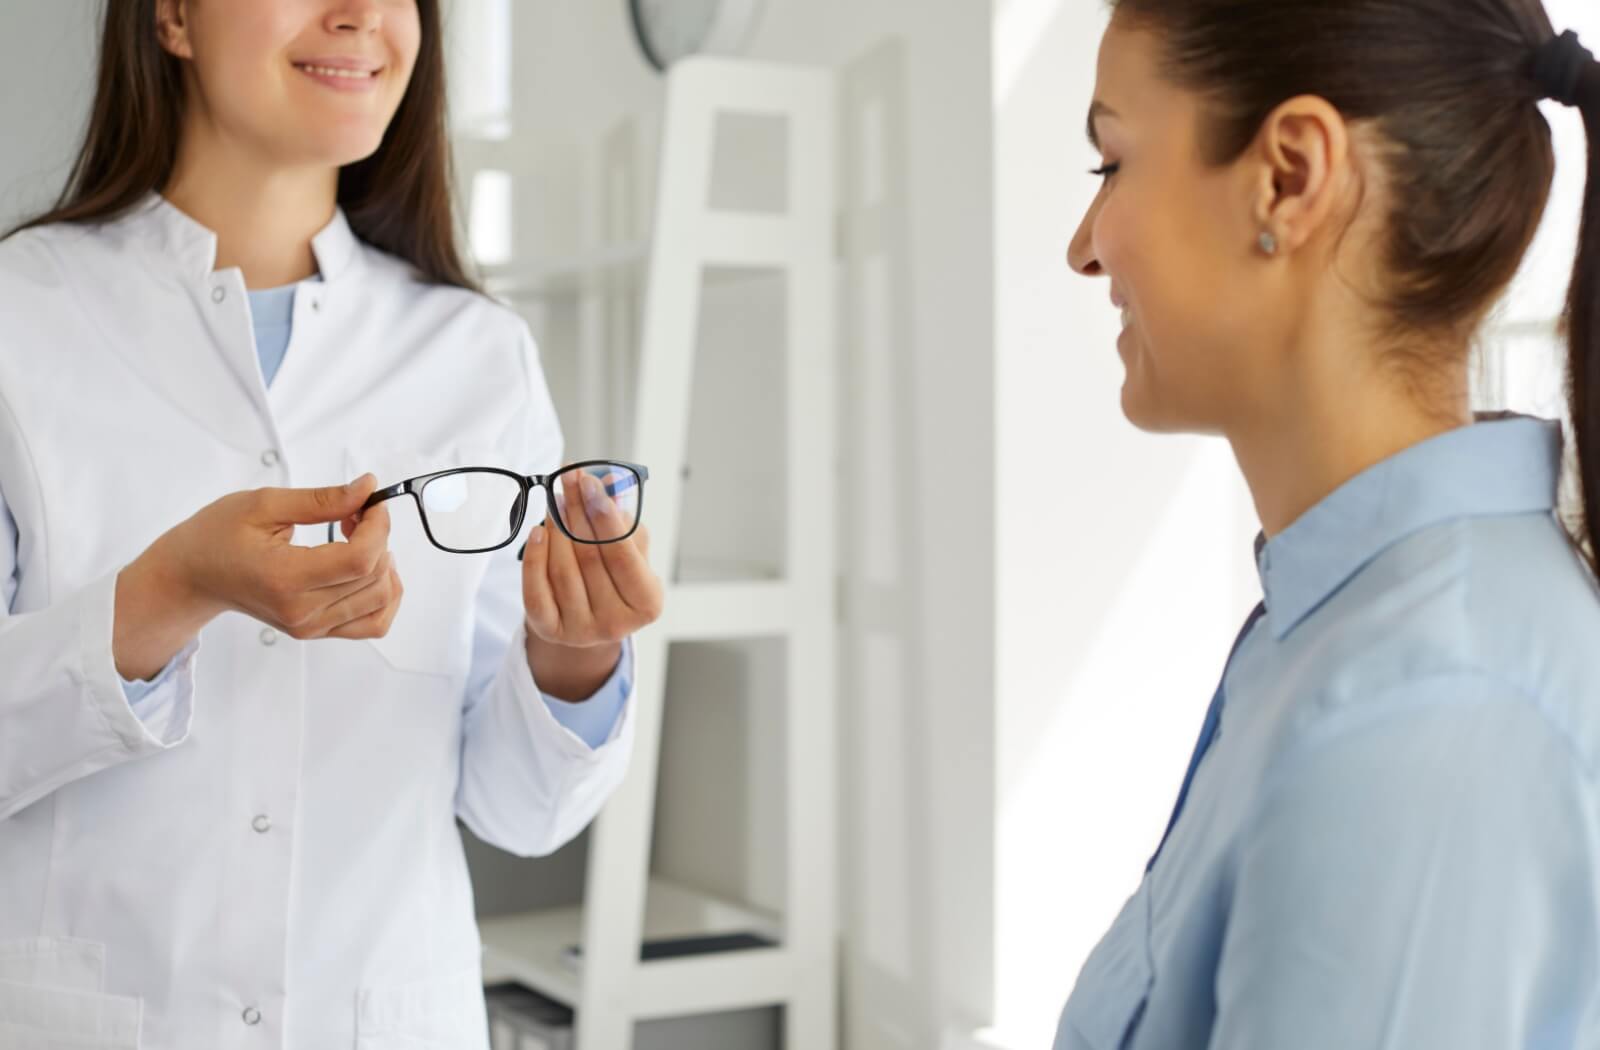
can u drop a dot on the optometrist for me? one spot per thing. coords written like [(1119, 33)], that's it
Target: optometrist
[(233, 755)]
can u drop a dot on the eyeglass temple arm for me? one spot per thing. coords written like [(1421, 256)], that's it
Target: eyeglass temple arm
[(376, 498)]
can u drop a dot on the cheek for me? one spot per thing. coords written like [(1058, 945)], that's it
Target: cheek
[(238, 51), (404, 31)]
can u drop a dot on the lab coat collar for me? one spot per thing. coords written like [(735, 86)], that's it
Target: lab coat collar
[(1502, 465), (176, 238)]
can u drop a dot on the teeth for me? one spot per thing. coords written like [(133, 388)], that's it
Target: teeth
[(348, 74), (1127, 317)]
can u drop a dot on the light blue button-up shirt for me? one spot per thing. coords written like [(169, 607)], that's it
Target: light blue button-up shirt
[(592, 721), (1393, 839)]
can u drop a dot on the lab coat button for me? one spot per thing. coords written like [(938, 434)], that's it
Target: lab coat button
[(218, 294), (268, 636), (262, 823), (316, 304), (252, 1015), (269, 458)]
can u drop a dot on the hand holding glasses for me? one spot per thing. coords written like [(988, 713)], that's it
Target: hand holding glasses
[(474, 510)]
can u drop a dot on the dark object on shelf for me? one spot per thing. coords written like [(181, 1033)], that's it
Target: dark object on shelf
[(698, 944), (522, 1019)]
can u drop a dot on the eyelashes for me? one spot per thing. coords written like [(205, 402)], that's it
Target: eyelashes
[(1106, 171)]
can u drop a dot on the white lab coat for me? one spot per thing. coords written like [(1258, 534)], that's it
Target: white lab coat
[(278, 865)]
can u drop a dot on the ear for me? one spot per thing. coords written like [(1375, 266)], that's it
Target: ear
[(172, 27), (1303, 153)]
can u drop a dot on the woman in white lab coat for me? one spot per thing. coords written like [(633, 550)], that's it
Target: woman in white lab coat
[(231, 754)]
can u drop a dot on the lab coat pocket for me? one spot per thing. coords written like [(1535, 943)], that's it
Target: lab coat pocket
[(54, 962), (439, 1013), (431, 633), (33, 1017), (1109, 999)]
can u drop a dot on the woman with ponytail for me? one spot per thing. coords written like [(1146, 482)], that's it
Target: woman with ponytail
[(1389, 832)]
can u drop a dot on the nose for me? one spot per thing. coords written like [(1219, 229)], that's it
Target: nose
[(1080, 252), (355, 17)]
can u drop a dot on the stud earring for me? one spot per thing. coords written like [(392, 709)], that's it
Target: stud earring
[(1268, 243)]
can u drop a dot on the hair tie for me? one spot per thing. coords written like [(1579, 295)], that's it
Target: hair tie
[(1558, 67)]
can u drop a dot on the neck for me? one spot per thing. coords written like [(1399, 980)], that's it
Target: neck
[(1335, 418), (264, 215)]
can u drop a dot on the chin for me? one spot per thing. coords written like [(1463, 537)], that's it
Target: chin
[(1148, 412), (348, 149)]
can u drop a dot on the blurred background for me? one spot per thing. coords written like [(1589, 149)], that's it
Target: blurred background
[(971, 709)]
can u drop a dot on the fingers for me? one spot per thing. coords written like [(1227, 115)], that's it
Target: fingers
[(316, 506), (583, 511), (566, 578), (538, 597), (628, 563), (620, 570), (368, 610), (376, 623), (337, 564)]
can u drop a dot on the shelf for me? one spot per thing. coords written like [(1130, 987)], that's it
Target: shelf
[(584, 274), (530, 948)]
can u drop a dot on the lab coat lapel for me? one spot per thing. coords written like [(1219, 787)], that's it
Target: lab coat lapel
[(195, 349)]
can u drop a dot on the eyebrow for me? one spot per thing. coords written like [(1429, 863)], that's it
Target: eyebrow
[(1097, 109)]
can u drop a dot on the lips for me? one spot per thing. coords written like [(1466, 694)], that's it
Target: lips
[(1121, 304)]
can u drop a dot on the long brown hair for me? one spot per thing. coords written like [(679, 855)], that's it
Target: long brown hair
[(398, 199), (1451, 86)]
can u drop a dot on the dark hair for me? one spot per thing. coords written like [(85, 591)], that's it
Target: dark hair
[(1451, 88), (398, 199)]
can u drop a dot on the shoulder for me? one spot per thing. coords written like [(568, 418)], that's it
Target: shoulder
[(1478, 620), (502, 327), (31, 258)]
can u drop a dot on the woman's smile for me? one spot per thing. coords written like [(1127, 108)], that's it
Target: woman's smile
[(342, 74)]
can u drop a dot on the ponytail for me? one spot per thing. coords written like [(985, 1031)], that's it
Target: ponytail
[(1581, 320)]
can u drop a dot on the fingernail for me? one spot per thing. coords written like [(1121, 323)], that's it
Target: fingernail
[(538, 535)]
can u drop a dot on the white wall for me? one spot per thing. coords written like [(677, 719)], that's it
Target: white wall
[(1123, 568)]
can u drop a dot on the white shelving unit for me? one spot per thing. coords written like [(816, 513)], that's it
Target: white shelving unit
[(612, 989)]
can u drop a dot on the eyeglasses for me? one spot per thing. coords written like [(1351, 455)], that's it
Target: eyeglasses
[(473, 510)]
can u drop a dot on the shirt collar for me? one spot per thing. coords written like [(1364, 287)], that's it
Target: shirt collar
[(175, 237), (1507, 465)]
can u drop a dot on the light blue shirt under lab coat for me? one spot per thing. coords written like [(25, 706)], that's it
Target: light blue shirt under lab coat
[(1393, 840), (271, 314)]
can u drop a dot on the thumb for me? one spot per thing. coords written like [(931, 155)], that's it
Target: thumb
[(319, 505)]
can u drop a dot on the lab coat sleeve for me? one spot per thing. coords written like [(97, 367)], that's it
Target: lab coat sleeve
[(63, 712), (595, 720), (529, 784), (1416, 881)]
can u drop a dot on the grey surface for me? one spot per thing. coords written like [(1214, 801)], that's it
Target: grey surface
[(47, 68), (504, 884)]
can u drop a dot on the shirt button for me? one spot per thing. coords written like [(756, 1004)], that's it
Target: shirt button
[(316, 304), (269, 458), (218, 294), (252, 1015), (262, 824), (268, 636)]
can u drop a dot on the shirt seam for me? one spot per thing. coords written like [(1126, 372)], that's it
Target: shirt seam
[(1334, 729)]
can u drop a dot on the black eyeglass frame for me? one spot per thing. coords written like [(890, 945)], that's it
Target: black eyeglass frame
[(413, 487)]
